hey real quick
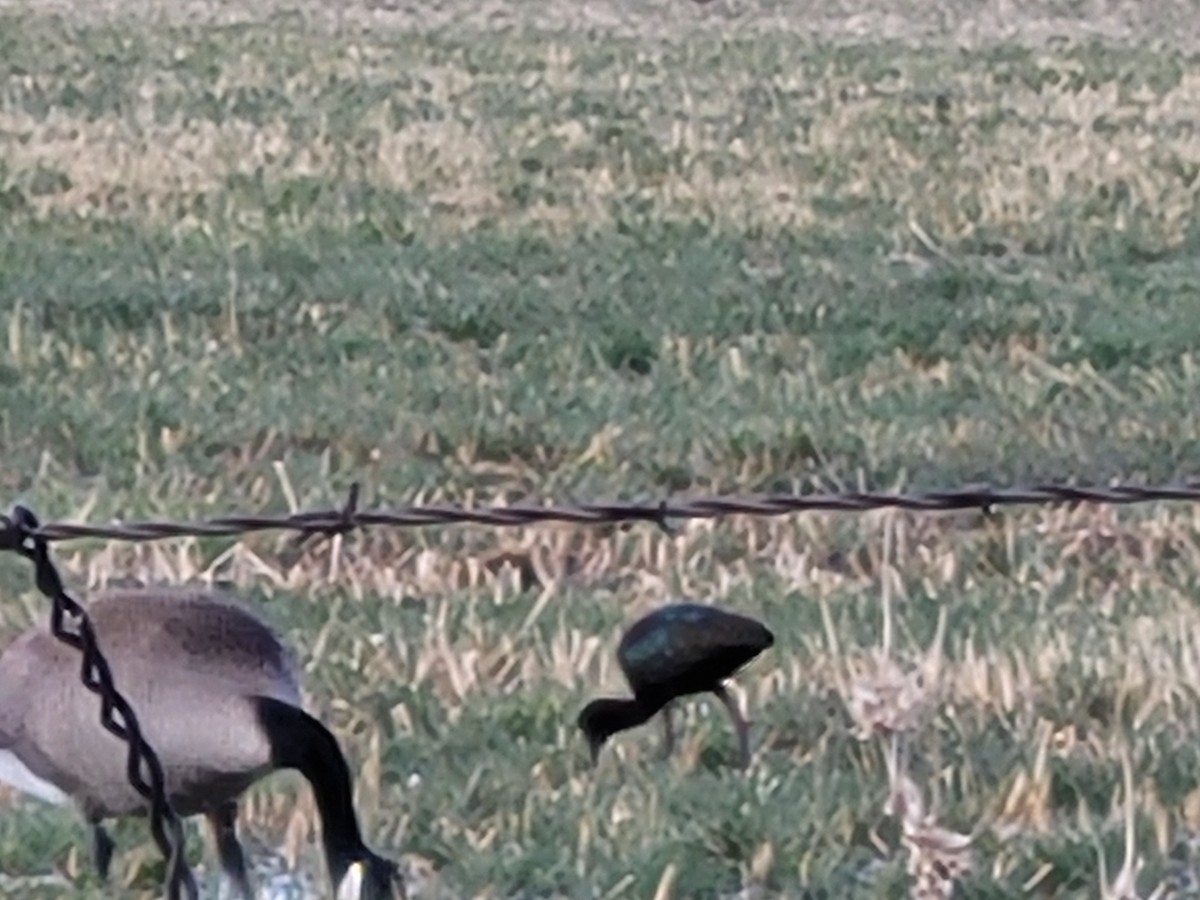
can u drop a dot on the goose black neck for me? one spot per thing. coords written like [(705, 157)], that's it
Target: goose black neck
[(300, 742)]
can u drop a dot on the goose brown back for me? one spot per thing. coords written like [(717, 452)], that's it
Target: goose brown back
[(217, 696), (189, 677)]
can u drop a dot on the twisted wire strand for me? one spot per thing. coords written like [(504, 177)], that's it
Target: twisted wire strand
[(348, 518), (19, 533)]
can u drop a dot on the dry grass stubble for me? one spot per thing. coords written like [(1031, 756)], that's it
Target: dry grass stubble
[(451, 663), (1009, 160)]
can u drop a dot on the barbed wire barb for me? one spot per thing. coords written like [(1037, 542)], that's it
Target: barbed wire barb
[(19, 533), (349, 518), (347, 521)]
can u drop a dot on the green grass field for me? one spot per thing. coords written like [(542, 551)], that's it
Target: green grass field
[(248, 259)]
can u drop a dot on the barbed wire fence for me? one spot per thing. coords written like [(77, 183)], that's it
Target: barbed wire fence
[(21, 532)]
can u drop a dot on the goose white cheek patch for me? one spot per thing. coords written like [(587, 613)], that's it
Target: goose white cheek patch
[(13, 772)]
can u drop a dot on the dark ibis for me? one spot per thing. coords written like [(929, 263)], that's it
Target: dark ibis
[(677, 650)]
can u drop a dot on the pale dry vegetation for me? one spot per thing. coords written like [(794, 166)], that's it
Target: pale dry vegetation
[(247, 263), (1043, 148)]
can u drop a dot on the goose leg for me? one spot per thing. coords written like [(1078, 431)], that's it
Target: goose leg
[(740, 725), (223, 822), (668, 746), (102, 849)]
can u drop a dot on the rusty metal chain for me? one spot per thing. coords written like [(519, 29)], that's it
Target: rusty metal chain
[(19, 532), (349, 518)]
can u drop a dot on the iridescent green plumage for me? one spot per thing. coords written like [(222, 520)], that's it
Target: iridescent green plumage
[(677, 650), (687, 648)]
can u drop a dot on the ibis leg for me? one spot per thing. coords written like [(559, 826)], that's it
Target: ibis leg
[(102, 849), (668, 746), (740, 725), (223, 822)]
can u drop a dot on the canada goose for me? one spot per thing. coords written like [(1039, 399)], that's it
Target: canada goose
[(217, 697)]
